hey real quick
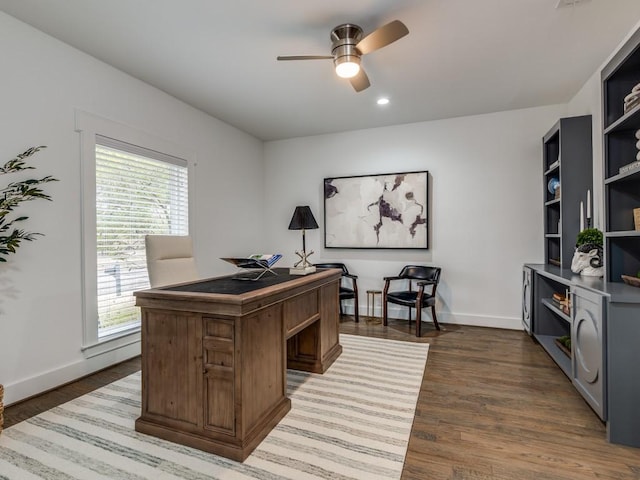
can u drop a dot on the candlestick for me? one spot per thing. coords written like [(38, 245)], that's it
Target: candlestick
[(581, 216), (588, 204)]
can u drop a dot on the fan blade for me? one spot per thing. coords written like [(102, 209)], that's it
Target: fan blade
[(360, 81), (382, 37), (306, 57)]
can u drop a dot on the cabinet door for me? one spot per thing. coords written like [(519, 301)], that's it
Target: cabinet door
[(587, 345), (527, 297)]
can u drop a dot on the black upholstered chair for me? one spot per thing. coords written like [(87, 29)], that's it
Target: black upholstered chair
[(346, 291), (416, 278)]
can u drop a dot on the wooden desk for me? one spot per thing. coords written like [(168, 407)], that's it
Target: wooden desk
[(214, 364)]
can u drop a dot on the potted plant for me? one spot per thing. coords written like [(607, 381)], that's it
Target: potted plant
[(591, 236), (588, 256), (12, 196)]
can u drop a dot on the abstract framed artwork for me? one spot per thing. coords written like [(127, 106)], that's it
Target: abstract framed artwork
[(377, 211)]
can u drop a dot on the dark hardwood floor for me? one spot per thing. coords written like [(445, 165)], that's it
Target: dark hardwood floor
[(492, 405)]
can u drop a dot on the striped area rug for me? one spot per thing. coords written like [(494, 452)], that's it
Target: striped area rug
[(353, 422)]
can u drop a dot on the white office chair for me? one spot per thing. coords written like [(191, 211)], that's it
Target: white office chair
[(170, 259)]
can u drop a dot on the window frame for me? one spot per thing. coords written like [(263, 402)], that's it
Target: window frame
[(88, 126)]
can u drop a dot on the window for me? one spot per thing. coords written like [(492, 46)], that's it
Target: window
[(133, 184), (138, 192)]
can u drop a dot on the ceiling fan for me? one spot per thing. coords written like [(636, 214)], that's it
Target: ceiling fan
[(347, 46)]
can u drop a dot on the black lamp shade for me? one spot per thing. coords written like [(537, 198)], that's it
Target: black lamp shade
[(303, 219)]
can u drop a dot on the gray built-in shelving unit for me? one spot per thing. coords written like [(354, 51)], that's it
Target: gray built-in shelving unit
[(567, 157), (621, 190), (603, 318)]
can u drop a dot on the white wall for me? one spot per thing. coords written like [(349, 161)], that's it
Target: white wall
[(43, 82), (485, 204), (588, 101)]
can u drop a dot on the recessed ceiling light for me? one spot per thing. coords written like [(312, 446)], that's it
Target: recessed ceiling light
[(570, 3), (382, 101)]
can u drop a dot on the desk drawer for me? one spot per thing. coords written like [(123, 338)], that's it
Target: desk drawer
[(218, 346), (300, 311)]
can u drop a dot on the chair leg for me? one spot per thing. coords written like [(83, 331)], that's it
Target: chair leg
[(418, 321), (340, 303), (356, 309), (435, 319), (384, 312)]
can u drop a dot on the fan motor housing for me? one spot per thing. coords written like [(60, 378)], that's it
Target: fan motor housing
[(344, 39)]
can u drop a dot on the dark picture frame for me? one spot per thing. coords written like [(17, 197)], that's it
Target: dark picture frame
[(384, 211)]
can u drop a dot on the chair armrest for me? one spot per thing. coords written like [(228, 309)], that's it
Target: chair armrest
[(392, 278), (349, 275)]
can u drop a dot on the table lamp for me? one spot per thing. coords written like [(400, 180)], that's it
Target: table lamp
[(303, 220)]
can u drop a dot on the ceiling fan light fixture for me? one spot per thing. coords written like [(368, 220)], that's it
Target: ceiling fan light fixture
[(347, 66)]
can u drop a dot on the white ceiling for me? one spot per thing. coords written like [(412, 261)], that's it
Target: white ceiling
[(462, 57)]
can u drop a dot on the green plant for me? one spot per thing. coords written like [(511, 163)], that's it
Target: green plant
[(12, 196), (566, 341), (591, 236)]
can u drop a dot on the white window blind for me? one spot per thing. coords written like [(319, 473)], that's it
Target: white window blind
[(138, 192)]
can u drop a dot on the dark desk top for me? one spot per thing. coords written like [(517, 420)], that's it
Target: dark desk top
[(229, 297), (237, 284)]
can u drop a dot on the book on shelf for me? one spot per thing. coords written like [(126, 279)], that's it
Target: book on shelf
[(631, 166), (256, 260)]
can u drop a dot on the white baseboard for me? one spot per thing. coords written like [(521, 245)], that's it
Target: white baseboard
[(14, 392), (511, 323)]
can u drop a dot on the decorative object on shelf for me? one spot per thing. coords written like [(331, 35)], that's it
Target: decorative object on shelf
[(564, 343), (588, 208), (377, 211), (630, 166), (636, 218), (588, 256), (629, 280), (633, 99), (554, 187), (303, 219), (12, 196), (562, 302)]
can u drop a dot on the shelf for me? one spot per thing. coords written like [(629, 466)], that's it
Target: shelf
[(555, 201), (549, 304), (548, 343), (631, 176), (554, 261), (623, 234), (629, 121), (552, 169), (552, 235)]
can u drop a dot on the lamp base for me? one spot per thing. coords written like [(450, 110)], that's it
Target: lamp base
[(302, 270)]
